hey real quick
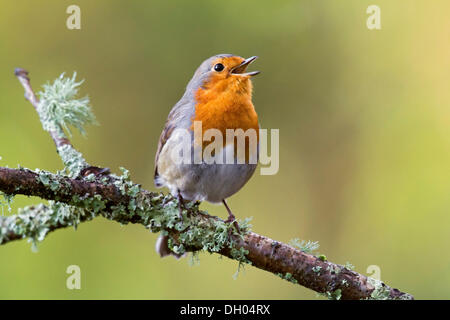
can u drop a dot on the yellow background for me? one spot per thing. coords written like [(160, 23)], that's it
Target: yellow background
[(364, 137)]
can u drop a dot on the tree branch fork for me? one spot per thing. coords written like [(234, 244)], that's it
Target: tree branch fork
[(83, 192)]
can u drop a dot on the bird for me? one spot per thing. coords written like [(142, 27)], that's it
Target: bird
[(219, 96)]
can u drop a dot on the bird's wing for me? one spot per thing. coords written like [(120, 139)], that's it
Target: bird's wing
[(165, 135), (179, 117)]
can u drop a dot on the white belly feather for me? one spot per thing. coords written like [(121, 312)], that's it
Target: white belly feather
[(210, 182)]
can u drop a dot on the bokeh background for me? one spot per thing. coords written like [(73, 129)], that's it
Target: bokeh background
[(364, 137)]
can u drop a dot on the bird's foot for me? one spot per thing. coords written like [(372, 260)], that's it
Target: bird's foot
[(232, 220), (181, 206)]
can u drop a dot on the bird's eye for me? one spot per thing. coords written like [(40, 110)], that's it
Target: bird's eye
[(219, 67)]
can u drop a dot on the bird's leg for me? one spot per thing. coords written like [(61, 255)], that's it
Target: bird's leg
[(181, 205), (231, 218)]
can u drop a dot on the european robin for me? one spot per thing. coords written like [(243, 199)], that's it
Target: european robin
[(219, 96)]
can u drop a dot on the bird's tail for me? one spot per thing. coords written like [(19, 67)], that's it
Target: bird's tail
[(162, 247)]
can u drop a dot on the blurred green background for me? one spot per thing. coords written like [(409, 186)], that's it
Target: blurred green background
[(364, 137)]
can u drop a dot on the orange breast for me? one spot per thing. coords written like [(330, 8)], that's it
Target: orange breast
[(229, 108), (227, 104)]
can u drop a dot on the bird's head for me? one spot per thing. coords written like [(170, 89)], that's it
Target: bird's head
[(224, 73)]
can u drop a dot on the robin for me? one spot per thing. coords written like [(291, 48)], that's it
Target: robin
[(219, 97)]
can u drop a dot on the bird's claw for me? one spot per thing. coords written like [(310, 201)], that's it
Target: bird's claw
[(232, 221)]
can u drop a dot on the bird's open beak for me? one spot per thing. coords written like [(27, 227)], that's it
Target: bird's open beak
[(240, 68)]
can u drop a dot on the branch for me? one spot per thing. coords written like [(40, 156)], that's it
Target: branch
[(262, 252), (77, 198)]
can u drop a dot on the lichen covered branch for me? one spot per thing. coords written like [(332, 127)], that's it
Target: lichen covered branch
[(56, 111), (76, 195), (126, 202)]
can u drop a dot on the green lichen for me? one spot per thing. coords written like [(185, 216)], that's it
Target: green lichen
[(380, 292), (240, 255), (349, 266), (6, 202), (194, 259), (72, 159), (333, 269), (322, 257), (305, 246), (317, 269), (59, 109), (34, 222), (383, 292), (333, 295), (47, 179), (288, 277), (94, 203)]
